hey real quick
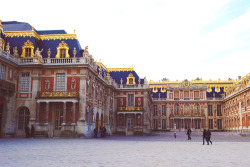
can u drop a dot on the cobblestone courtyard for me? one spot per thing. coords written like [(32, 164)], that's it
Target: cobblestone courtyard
[(161, 149)]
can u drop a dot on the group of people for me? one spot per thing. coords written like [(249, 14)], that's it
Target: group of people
[(30, 132), (102, 132), (206, 136)]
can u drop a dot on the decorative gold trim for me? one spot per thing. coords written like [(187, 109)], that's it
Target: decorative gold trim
[(101, 64), (3, 43), (62, 45), (27, 45), (120, 69), (130, 76), (18, 34)]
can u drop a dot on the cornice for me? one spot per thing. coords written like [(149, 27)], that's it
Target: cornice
[(18, 34), (120, 69)]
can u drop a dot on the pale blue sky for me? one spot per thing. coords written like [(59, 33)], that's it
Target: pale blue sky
[(176, 39)]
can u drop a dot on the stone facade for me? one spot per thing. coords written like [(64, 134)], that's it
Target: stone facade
[(66, 93)]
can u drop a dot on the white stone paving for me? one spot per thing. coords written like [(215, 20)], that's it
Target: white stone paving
[(228, 149)]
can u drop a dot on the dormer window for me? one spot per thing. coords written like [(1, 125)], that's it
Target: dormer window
[(62, 50), (27, 49), (130, 79)]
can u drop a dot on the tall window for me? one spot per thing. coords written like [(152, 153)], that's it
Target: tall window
[(23, 118), (130, 100), (210, 110), (197, 109), (164, 124), (155, 109), (186, 109), (219, 110), (196, 95), (210, 123), (176, 95), (28, 52), (3, 69), (155, 124), (60, 82), (62, 53), (219, 123), (177, 108), (186, 95), (163, 109), (25, 79)]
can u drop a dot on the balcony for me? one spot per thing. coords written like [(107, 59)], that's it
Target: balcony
[(130, 109), (187, 115), (7, 85), (69, 94)]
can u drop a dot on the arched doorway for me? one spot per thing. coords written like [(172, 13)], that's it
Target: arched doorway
[(101, 124), (97, 121), (23, 116), (1, 114)]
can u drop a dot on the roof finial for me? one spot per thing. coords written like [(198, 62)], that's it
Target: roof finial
[(74, 31), (32, 28)]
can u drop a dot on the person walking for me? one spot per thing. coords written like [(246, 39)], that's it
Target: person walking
[(204, 136), (32, 131), (209, 137), (189, 133), (27, 131)]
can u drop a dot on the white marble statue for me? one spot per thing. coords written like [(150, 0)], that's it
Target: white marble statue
[(38, 55)]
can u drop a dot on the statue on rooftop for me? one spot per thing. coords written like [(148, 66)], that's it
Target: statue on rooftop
[(38, 55), (74, 52), (121, 81), (49, 52), (8, 47), (15, 52)]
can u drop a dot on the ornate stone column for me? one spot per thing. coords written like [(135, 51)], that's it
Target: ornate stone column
[(37, 112)]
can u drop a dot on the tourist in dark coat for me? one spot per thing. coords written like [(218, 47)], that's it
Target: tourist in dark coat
[(27, 131), (208, 137), (95, 133), (204, 135), (189, 133), (32, 131), (104, 131)]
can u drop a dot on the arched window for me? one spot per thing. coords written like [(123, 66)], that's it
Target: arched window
[(177, 108), (186, 109), (62, 50), (23, 118)]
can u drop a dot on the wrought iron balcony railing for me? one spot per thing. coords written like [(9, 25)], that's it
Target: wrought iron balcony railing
[(68, 94), (130, 108), (187, 115)]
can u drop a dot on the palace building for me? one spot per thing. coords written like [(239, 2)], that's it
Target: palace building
[(49, 81)]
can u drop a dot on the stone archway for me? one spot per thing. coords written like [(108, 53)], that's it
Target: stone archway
[(3, 115), (97, 121)]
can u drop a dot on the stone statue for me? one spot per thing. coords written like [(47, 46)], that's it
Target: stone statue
[(74, 52), (38, 55), (8, 47), (73, 83), (121, 81), (139, 81), (15, 52), (49, 52), (159, 95)]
